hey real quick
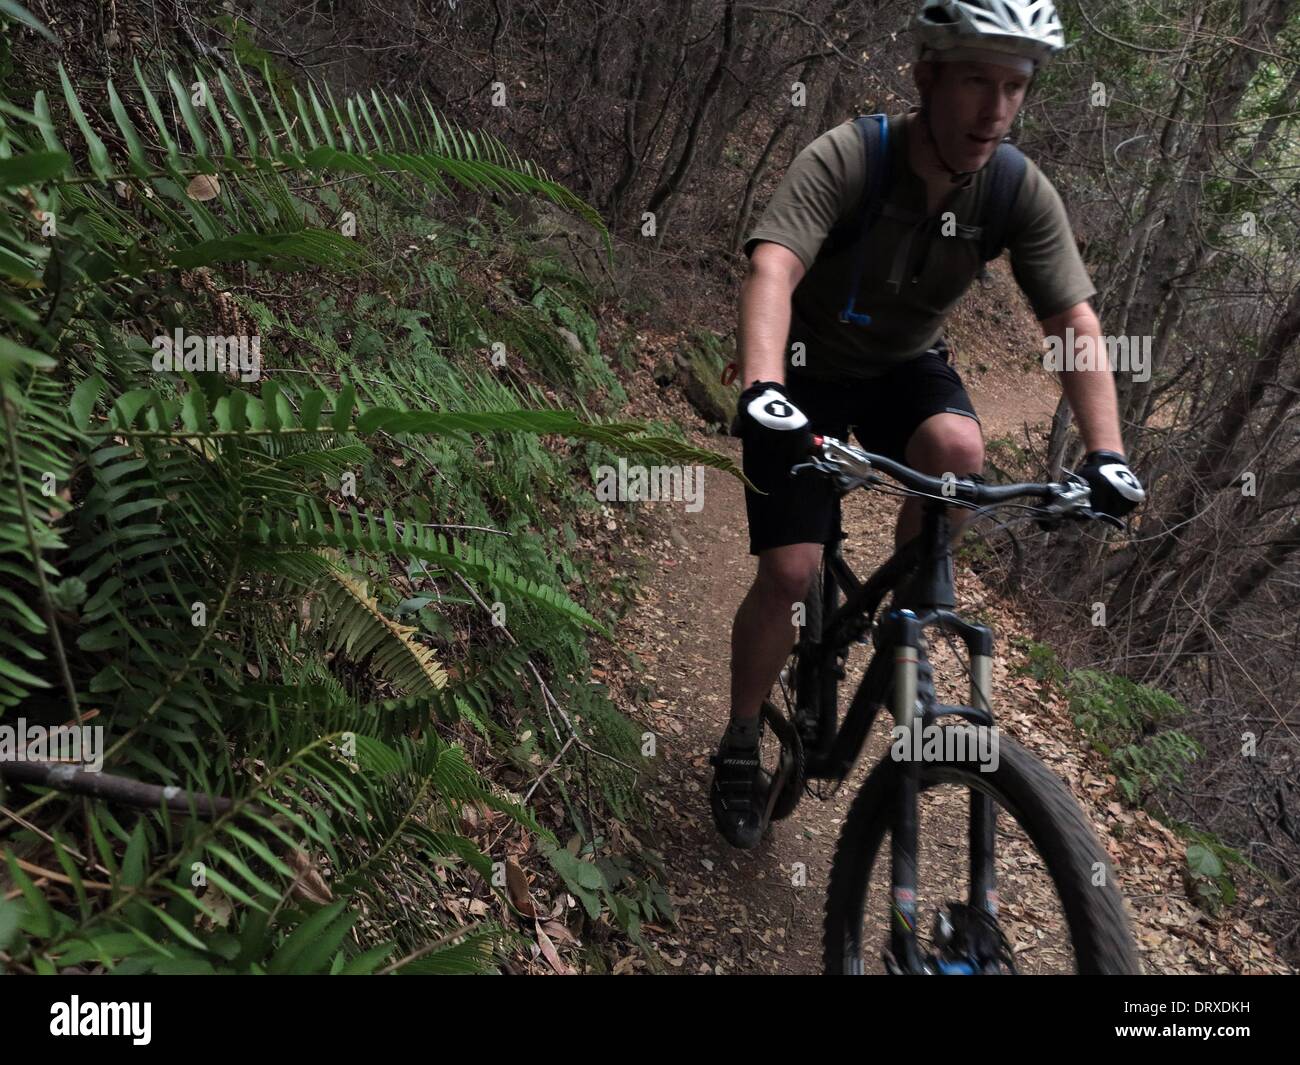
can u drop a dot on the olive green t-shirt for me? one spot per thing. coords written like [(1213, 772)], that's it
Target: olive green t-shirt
[(823, 189)]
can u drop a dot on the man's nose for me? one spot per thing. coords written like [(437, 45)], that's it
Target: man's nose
[(996, 107)]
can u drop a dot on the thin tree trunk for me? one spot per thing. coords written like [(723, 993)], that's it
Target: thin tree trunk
[(759, 170), (661, 200)]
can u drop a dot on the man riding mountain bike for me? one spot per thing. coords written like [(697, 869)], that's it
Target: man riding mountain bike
[(870, 239)]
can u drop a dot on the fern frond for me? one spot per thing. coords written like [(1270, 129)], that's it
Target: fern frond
[(35, 441), (427, 151), (355, 624), (408, 540), (238, 414)]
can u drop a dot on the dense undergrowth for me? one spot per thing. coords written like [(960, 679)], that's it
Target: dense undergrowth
[(1145, 734), (334, 600), (1140, 730)]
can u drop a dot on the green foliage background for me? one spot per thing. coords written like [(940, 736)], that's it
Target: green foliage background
[(288, 593)]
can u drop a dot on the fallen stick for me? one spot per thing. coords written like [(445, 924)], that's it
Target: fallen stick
[(77, 781)]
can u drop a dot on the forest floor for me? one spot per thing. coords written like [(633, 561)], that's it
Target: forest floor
[(761, 911)]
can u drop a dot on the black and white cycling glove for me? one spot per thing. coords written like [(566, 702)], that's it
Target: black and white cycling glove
[(765, 412), (1115, 488), (776, 433)]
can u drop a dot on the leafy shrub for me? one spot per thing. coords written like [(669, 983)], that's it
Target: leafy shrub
[(1128, 723)]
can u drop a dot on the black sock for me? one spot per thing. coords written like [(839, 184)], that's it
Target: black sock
[(743, 733)]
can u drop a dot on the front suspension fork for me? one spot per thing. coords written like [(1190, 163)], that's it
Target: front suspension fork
[(905, 639)]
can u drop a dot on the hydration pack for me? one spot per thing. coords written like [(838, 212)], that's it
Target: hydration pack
[(1006, 171)]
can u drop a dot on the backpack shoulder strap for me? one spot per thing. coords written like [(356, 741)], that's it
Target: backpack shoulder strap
[(874, 130), (1006, 174), (873, 133)]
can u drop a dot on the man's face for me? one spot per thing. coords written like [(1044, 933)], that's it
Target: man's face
[(972, 106)]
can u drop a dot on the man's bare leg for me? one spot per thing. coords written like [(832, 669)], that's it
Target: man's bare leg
[(764, 631), (761, 639), (943, 443)]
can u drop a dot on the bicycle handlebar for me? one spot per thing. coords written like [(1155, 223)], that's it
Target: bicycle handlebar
[(851, 467)]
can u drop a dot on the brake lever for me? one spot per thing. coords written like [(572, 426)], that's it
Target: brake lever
[(822, 467), (1098, 515), (1073, 491), (1055, 521), (1108, 519), (844, 482)]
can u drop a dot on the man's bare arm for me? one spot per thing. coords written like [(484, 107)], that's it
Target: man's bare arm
[(1090, 393), (774, 272)]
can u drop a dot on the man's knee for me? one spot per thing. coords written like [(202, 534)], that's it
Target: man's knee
[(786, 573), (947, 443)]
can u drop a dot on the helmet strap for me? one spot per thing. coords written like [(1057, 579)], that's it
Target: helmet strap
[(955, 176)]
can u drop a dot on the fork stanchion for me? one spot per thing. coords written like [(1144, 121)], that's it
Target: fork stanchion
[(983, 814), (903, 841)]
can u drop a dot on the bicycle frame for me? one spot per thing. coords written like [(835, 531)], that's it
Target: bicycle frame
[(921, 575)]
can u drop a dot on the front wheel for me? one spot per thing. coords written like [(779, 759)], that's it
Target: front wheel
[(1043, 810)]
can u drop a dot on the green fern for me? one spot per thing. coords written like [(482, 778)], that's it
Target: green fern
[(165, 538), (248, 149)]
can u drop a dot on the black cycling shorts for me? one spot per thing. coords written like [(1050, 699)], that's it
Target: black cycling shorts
[(883, 414)]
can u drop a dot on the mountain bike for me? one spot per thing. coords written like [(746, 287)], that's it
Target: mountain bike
[(962, 746)]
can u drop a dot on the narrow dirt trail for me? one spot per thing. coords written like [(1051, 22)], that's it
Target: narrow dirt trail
[(738, 909), (761, 911)]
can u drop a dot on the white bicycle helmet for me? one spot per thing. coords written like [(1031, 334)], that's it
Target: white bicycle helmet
[(1030, 29)]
